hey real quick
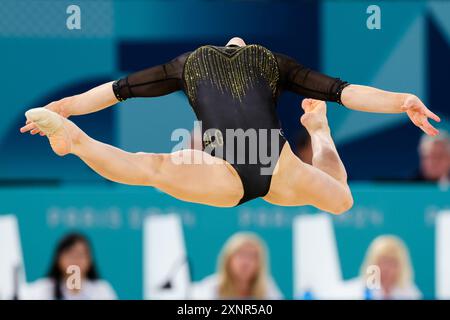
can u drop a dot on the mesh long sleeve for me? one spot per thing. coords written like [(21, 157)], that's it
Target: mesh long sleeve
[(152, 82), (306, 82)]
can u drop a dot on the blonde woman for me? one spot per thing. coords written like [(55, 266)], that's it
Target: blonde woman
[(243, 272), (389, 255)]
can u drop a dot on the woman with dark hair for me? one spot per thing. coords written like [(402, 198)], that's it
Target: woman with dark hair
[(72, 274)]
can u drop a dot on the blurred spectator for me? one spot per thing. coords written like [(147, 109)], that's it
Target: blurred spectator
[(434, 155), (73, 250), (242, 272), (390, 254)]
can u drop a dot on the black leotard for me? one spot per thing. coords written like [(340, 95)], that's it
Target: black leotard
[(235, 88)]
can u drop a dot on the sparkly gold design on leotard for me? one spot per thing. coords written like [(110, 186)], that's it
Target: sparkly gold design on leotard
[(232, 71)]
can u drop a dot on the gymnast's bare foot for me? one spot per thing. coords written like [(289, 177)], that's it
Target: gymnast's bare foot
[(315, 117), (62, 133)]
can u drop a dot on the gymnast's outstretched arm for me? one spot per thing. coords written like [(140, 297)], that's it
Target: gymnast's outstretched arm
[(309, 83)]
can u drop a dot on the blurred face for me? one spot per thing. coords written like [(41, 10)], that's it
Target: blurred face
[(390, 271), (77, 255), (244, 263), (435, 161)]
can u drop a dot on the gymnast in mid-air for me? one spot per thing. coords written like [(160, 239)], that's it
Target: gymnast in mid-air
[(232, 87)]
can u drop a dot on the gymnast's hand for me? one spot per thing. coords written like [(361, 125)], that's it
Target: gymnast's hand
[(419, 114), (60, 107)]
